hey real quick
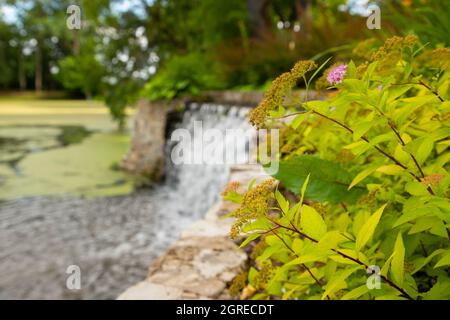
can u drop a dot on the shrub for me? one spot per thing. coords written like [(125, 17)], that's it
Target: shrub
[(183, 75), (363, 183)]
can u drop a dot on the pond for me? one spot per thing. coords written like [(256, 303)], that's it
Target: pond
[(58, 148), (65, 204)]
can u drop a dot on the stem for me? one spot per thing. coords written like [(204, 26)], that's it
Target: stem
[(368, 141), (293, 252), (393, 285), (433, 91)]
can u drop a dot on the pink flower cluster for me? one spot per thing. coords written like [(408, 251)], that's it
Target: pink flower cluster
[(336, 75)]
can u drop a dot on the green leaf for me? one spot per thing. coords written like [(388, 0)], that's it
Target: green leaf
[(331, 240), (445, 260), (398, 261), (355, 85), (440, 291), (338, 281), (367, 230), (252, 273), (261, 224), (249, 239), (356, 293), (422, 262), (304, 187), (424, 150), (361, 176), (397, 91), (361, 128), (312, 223), (252, 183), (329, 181), (299, 119), (385, 269), (391, 169), (317, 71), (282, 202), (312, 257), (421, 148), (416, 188), (318, 105)]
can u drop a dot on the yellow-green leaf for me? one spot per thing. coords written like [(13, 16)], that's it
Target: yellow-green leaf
[(445, 260), (305, 185), (367, 230), (312, 223), (398, 261), (338, 281), (356, 293), (361, 176), (331, 240), (249, 239), (391, 169), (282, 202)]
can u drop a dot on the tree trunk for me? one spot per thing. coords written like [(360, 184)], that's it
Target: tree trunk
[(259, 20), (304, 14), (38, 70), (21, 73), (76, 43)]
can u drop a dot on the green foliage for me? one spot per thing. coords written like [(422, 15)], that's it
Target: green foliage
[(329, 180), (374, 192), (183, 75), (82, 72)]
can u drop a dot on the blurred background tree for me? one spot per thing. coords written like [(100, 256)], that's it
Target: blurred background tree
[(175, 47)]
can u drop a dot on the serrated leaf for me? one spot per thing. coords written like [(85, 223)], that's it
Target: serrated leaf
[(312, 223), (367, 230), (329, 181), (398, 261)]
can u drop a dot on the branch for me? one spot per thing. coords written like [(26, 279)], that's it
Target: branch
[(374, 146), (302, 235)]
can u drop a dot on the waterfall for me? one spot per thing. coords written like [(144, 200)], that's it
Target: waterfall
[(190, 190)]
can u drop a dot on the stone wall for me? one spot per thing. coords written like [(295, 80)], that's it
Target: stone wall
[(146, 154), (204, 260)]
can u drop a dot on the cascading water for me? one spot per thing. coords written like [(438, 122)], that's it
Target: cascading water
[(113, 240), (191, 189)]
